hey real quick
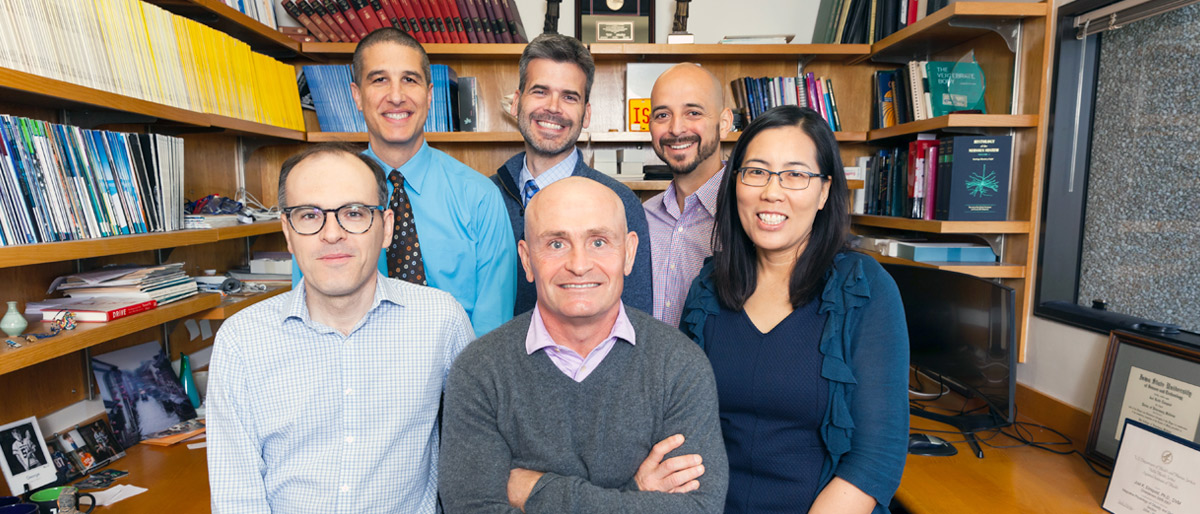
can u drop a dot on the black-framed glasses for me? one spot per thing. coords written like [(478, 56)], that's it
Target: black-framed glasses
[(788, 179), (354, 218)]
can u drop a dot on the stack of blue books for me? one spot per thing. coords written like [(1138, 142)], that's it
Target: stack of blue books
[(336, 112)]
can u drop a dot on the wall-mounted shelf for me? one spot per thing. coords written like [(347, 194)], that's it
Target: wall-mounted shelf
[(955, 121), (87, 335), (343, 51), (957, 23), (214, 13), (233, 304), (732, 52), (942, 227), (982, 270), (24, 255)]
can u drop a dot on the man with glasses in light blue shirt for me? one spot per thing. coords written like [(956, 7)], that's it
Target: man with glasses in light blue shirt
[(465, 246), (326, 398)]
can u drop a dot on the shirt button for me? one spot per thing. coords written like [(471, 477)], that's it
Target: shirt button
[(349, 391), (672, 266), (668, 304), (349, 439), (680, 229), (345, 489)]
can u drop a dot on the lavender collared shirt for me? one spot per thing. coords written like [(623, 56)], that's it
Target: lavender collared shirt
[(567, 361), (679, 243)]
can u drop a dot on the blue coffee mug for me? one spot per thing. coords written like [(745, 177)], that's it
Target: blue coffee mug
[(20, 508)]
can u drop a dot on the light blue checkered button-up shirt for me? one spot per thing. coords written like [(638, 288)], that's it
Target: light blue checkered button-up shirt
[(303, 419)]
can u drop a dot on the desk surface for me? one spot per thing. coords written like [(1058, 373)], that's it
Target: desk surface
[(1008, 480), (176, 479)]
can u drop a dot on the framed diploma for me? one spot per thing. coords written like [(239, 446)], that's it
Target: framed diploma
[(1155, 472), (614, 21), (1153, 382)]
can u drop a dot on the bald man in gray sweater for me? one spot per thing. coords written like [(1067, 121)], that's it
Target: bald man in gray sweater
[(560, 409)]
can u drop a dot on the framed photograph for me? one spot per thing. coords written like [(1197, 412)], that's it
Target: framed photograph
[(141, 393), (1149, 381), (101, 441), (67, 466), (27, 464), (614, 21)]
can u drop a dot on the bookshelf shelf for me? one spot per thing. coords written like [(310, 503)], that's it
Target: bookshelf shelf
[(505, 51), (942, 227), (982, 270), (955, 121), (234, 304), (731, 52), (215, 14), (644, 137), (24, 255), (945, 29), (432, 137), (36, 90), (87, 335)]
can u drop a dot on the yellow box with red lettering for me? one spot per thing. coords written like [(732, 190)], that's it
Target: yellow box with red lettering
[(639, 115)]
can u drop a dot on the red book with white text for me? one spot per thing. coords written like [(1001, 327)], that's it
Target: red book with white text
[(335, 12), (350, 12), (295, 12), (317, 20), (366, 14), (384, 9), (401, 21), (414, 24), (335, 31), (99, 309)]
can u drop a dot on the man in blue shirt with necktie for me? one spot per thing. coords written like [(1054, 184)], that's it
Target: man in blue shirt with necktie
[(465, 246)]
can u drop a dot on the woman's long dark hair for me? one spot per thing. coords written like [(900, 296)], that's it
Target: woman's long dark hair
[(735, 266)]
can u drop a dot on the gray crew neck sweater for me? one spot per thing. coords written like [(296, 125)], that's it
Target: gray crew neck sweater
[(505, 409)]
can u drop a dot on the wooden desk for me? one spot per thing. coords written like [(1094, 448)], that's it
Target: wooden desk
[(176, 479), (1010, 480)]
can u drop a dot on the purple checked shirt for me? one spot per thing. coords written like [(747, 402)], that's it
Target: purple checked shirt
[(569, 362), (679, 243)]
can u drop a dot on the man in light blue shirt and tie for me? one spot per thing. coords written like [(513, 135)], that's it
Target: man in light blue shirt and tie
[(456, 224), (326, 398)]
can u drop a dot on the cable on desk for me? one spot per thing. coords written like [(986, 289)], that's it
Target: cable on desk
[(1026, 439)]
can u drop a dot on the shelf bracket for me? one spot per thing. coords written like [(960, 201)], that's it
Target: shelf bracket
[(996, 241), (93, 119), (89, 388), (1009, 29)]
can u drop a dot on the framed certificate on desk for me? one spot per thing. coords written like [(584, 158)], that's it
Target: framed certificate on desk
[(1155, 472), (1153, 382)]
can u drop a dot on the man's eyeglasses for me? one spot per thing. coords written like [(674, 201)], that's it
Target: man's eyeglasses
[(788, 179), (354, 218)]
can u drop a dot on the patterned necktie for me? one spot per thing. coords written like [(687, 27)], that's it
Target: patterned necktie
[(530, 189), (404, 255)]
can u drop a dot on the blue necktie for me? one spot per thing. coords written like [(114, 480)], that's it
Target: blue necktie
[(530, 190)]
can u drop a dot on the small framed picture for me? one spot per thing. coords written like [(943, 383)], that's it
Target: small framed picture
[(27, 463), (614, 21), (1149, 381), (100, 439), (66, 464)]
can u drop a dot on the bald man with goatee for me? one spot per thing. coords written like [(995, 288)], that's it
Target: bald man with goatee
[(688, 118)]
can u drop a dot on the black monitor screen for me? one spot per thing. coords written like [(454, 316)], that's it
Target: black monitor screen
[(961, 331)]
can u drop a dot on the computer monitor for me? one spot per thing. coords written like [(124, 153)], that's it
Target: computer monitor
[(962, 333)]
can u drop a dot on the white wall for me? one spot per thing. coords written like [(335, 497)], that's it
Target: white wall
[(709, 20), (1063, 362)]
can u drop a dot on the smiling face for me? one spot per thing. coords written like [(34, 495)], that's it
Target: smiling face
[(779, 221), (577, 251), (687, 119), (393, 95), (336, 263), (552, 111)]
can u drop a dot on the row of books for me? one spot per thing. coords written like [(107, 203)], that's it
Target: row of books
[(429, 21), (261, 10), (868, 21), (927, 89), (958, 178), (137, 49), (336, 111), (112, 293), (61, 182), (754, 96)]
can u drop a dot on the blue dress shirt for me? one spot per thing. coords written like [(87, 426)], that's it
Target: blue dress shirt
[(302, 418), (467, 246)]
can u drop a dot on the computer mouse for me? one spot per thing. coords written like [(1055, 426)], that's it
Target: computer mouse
[(925, 444)]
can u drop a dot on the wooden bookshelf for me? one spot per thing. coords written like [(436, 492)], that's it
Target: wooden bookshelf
[(25, 255), (501, 51), (942, 227), (214, 13), (732, 137), (432, 137), (235, 303), (943, 29), (982, 270), (32, 89), (87, 335), (992, 121), (604, 51)]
